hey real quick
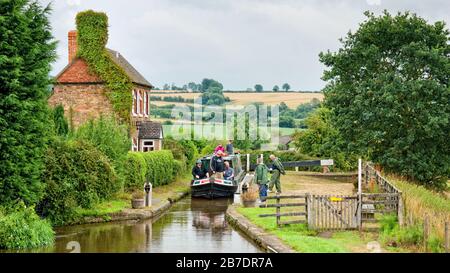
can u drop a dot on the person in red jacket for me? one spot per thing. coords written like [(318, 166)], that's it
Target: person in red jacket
[(219, 148)]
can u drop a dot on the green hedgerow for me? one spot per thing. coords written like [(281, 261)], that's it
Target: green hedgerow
[(92, 36), (135, 169), (24, 229), (160, 167), (77, 175)]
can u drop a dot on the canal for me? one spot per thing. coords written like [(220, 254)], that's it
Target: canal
[(191, 225)]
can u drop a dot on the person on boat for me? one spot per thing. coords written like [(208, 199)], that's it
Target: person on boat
[(228, 174), (229, 147), (217, 165), (219, 148), (198, 172), (261, 179), (277, 170)]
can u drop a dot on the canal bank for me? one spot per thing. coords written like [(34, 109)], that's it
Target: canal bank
[(163, 198), (268, 242)]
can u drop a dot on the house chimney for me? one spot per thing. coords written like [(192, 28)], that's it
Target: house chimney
[(72, 45)]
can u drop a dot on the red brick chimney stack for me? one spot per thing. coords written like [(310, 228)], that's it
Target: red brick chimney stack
[(72, 45)]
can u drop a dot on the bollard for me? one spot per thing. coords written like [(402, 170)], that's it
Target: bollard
[(148, 194)]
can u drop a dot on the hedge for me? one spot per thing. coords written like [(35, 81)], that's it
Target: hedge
[(135, 170), (76, 175), (159, 167)]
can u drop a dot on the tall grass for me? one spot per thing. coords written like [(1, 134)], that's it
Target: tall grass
[(420, 203)]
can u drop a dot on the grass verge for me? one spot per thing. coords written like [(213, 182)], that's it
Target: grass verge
[(303, 240)]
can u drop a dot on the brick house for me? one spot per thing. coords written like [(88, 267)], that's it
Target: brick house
[(83, 97)]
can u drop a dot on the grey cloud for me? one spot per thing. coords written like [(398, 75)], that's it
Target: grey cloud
[(239, 43)]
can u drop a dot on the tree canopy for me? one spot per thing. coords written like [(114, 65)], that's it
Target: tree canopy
[(286, 87), (27, 49), (389, 96)]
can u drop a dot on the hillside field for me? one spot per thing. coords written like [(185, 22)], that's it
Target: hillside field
[(292, 99)]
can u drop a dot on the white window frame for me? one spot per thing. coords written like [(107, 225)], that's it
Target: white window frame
[(145, 104), (148, 146), (134, 146), (134, 103), (139, 112)]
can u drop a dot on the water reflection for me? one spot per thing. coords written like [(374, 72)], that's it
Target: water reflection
[(190, 226)]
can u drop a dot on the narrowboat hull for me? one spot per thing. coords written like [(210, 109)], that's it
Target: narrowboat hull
[(213, 188)]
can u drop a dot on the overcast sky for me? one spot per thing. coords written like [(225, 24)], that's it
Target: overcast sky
[(238, 42)]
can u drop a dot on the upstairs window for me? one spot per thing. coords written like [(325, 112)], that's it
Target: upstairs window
[(145, 104), (134, 110), (141, 102)]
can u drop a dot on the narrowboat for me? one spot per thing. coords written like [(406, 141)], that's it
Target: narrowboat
[(218, 188)]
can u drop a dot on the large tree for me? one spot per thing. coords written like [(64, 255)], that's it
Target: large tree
[(389, 95), (259, 88), (26, 50)]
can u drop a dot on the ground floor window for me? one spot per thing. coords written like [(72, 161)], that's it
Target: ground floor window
[(148, 145)]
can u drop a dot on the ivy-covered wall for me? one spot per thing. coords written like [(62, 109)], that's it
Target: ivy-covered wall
[(92, 37)]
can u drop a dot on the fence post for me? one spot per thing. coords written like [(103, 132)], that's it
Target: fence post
[(248, 162), (307, 197), (278, 210), (425, 232), (447, 239), (401, 221), (359, 194)]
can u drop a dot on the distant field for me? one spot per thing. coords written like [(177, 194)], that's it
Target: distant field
[(292, 99), (207, 130)]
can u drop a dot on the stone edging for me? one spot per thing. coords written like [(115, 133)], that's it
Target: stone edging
[(269, 242), (136, 214)]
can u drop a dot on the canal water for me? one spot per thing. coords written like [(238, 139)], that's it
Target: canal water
[(191, 225)]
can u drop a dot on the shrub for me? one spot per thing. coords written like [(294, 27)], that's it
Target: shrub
[(160, 167), (77, 174), (108, 136), (24, 229), (135, 169), (183, 150), (60, 121)]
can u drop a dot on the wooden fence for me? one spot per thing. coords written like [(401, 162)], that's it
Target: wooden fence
[(320, 212), (386, 200), (332, 212), (339, 212), (278, 205)]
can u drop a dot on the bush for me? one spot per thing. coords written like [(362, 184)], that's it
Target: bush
[(160, 167), (108, 136), (77, 174), (24, 229), (183, 150), (135, 171)]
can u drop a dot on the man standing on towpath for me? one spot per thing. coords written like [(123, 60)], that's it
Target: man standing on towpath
[(277, 169)]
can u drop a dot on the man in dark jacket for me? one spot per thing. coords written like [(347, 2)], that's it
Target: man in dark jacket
[(262, 179), (230, 149), (277, 170), (217, 165), (198, 172)]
